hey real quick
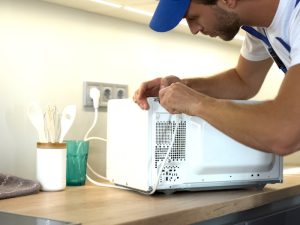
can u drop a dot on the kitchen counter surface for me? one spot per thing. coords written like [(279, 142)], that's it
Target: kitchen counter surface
[(92, 205)]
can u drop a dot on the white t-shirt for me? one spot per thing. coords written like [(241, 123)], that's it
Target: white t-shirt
[(285, 25)]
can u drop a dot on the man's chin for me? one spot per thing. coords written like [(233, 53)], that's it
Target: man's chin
[(226, 38)]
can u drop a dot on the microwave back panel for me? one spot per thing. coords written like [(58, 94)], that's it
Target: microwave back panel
[(200, 158)]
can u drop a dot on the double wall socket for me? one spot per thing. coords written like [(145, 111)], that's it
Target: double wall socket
[(107, 91)]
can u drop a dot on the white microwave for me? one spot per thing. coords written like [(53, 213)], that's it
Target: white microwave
[(152, 150)]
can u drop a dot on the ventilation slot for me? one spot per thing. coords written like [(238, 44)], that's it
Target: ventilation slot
[(163, 139)]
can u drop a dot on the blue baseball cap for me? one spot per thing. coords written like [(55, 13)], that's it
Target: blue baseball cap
[(168, 14)]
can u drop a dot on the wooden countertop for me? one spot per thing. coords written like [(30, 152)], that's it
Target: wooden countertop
[(92, 205)]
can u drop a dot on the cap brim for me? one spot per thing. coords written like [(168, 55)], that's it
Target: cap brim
[(168, 14)]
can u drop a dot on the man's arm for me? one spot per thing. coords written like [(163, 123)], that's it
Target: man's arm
[(242, 82), (271, 126)]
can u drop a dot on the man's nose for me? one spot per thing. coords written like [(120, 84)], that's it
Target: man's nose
[(195, 28)]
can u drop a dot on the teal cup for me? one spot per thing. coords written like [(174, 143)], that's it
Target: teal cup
[(77, 154)]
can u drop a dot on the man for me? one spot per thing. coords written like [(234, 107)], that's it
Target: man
[(274, 30)]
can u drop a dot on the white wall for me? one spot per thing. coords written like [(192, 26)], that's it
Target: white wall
[(47, 51)]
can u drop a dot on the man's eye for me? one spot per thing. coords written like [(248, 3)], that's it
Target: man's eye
[(191, 18)]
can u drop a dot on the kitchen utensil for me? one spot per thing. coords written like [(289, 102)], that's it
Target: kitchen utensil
[(35, 115), (57, 127), (51, 118), (66, 121)]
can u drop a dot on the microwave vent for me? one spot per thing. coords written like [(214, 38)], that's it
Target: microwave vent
[(163, 139), (170, 174)]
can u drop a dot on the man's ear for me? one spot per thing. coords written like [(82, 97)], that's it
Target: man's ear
[(230, 3)]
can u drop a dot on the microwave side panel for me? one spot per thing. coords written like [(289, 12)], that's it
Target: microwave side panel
[(127, 144), (215, 157)]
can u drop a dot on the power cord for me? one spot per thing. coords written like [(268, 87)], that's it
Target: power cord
[(95, 95), (162, 165)]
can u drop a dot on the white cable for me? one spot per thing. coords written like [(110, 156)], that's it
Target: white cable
[(95, 138), (95, 173), (105, 185), (162, 165), (93, 125), (86, 138), (95, 98), (95, 95)]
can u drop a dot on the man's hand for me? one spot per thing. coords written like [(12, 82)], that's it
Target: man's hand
[(151, 89), (179, 98)]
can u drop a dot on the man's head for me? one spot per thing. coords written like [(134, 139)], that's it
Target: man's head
[(209, 17)]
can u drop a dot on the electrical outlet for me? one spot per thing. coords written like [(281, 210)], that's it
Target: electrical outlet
[(87, 100), (106, 94), (107, 91), (121, 92)]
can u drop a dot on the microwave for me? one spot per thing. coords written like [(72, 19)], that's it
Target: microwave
[(153, 150)]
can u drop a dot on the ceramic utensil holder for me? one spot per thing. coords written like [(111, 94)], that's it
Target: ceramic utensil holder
[(51, 166)]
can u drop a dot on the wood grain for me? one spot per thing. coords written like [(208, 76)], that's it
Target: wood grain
[(93, 205)]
